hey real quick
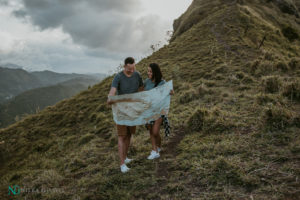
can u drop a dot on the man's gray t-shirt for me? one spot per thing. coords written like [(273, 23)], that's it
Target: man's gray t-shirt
[(127, 85)]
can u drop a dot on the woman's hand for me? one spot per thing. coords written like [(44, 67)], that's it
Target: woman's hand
[(171, 92)]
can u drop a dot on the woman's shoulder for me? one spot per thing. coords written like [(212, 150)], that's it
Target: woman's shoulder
[(147, 80), (162, 82)]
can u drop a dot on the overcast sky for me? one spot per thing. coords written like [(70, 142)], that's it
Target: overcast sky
[(83, 36)]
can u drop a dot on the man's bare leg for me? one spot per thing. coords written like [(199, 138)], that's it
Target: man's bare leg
[(122, 148), (127, 143)]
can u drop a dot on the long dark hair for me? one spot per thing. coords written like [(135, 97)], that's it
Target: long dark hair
[(156, 73)]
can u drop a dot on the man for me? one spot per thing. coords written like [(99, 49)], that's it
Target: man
[(125, 82)]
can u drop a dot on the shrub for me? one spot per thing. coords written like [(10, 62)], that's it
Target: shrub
[(262, 99), (188, 96), (247, 80), (292, 90), (290, 33), (222, 69), (294, 63), (240, 75), (269, 56), (276, 118), (196, 121), (271, 84), (209, 121), (86, 138), (282, 66)]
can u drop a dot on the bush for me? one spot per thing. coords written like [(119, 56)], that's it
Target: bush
[(209, 121), (196, 121), (282, 66), (276, 118), (294, 63), (269, 56), (188, 96), (271, 84), (292, 90), (290, 33), (262, 99), (261, 68), (86, 138)]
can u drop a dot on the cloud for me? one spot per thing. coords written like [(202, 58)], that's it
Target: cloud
[(98, 24)]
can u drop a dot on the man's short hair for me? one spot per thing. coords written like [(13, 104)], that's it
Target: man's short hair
[(129, 60)]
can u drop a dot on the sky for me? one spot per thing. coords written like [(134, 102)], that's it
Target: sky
[(83, 36)]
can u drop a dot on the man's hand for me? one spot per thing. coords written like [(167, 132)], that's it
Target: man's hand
[(112, 92), (171, 92), (110, 102)]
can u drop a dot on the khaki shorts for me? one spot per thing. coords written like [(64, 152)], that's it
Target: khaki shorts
[(124, 130)]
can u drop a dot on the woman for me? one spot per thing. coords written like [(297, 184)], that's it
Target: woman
[(155, 79)]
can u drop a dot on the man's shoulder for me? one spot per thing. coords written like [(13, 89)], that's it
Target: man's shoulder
[(119, 74)]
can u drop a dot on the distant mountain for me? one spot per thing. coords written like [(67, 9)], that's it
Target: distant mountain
[(14, 81), (51, 78), (12, 66), (34, 100)]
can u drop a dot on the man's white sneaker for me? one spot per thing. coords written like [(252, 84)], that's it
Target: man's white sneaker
[(128, 160), (153, 155), (124, 168)]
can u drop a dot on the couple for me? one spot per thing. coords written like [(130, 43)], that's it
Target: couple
[(130, 81)]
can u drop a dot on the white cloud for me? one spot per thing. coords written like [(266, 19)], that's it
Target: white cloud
[(79, 36)]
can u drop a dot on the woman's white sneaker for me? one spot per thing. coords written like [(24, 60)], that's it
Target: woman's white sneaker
[(124, 168), (153, 155)]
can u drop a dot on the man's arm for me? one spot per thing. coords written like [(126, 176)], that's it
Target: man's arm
[(112, 92)]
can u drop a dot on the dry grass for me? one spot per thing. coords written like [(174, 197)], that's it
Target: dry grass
[(241, 143)]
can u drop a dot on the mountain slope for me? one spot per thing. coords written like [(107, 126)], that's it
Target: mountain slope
[(34, 100), (15, 81), (235, 119)]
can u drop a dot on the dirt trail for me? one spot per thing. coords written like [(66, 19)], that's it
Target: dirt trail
[(168, 154)]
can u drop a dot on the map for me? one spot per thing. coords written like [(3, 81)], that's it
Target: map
[(141, 107)]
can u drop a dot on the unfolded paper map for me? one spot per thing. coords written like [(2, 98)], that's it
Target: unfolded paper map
[(141, 107)]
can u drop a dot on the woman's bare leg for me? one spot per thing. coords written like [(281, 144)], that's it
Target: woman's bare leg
[(155, 132), (152, 137)]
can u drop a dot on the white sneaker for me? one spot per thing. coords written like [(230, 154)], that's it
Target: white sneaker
[(153, 155), (124, 168), (158, 149), (128, 160)]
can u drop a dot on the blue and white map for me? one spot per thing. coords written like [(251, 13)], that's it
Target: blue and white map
[(141, 107)]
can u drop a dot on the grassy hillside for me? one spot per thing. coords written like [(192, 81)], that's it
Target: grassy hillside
[(35, 100), (235, 118)]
